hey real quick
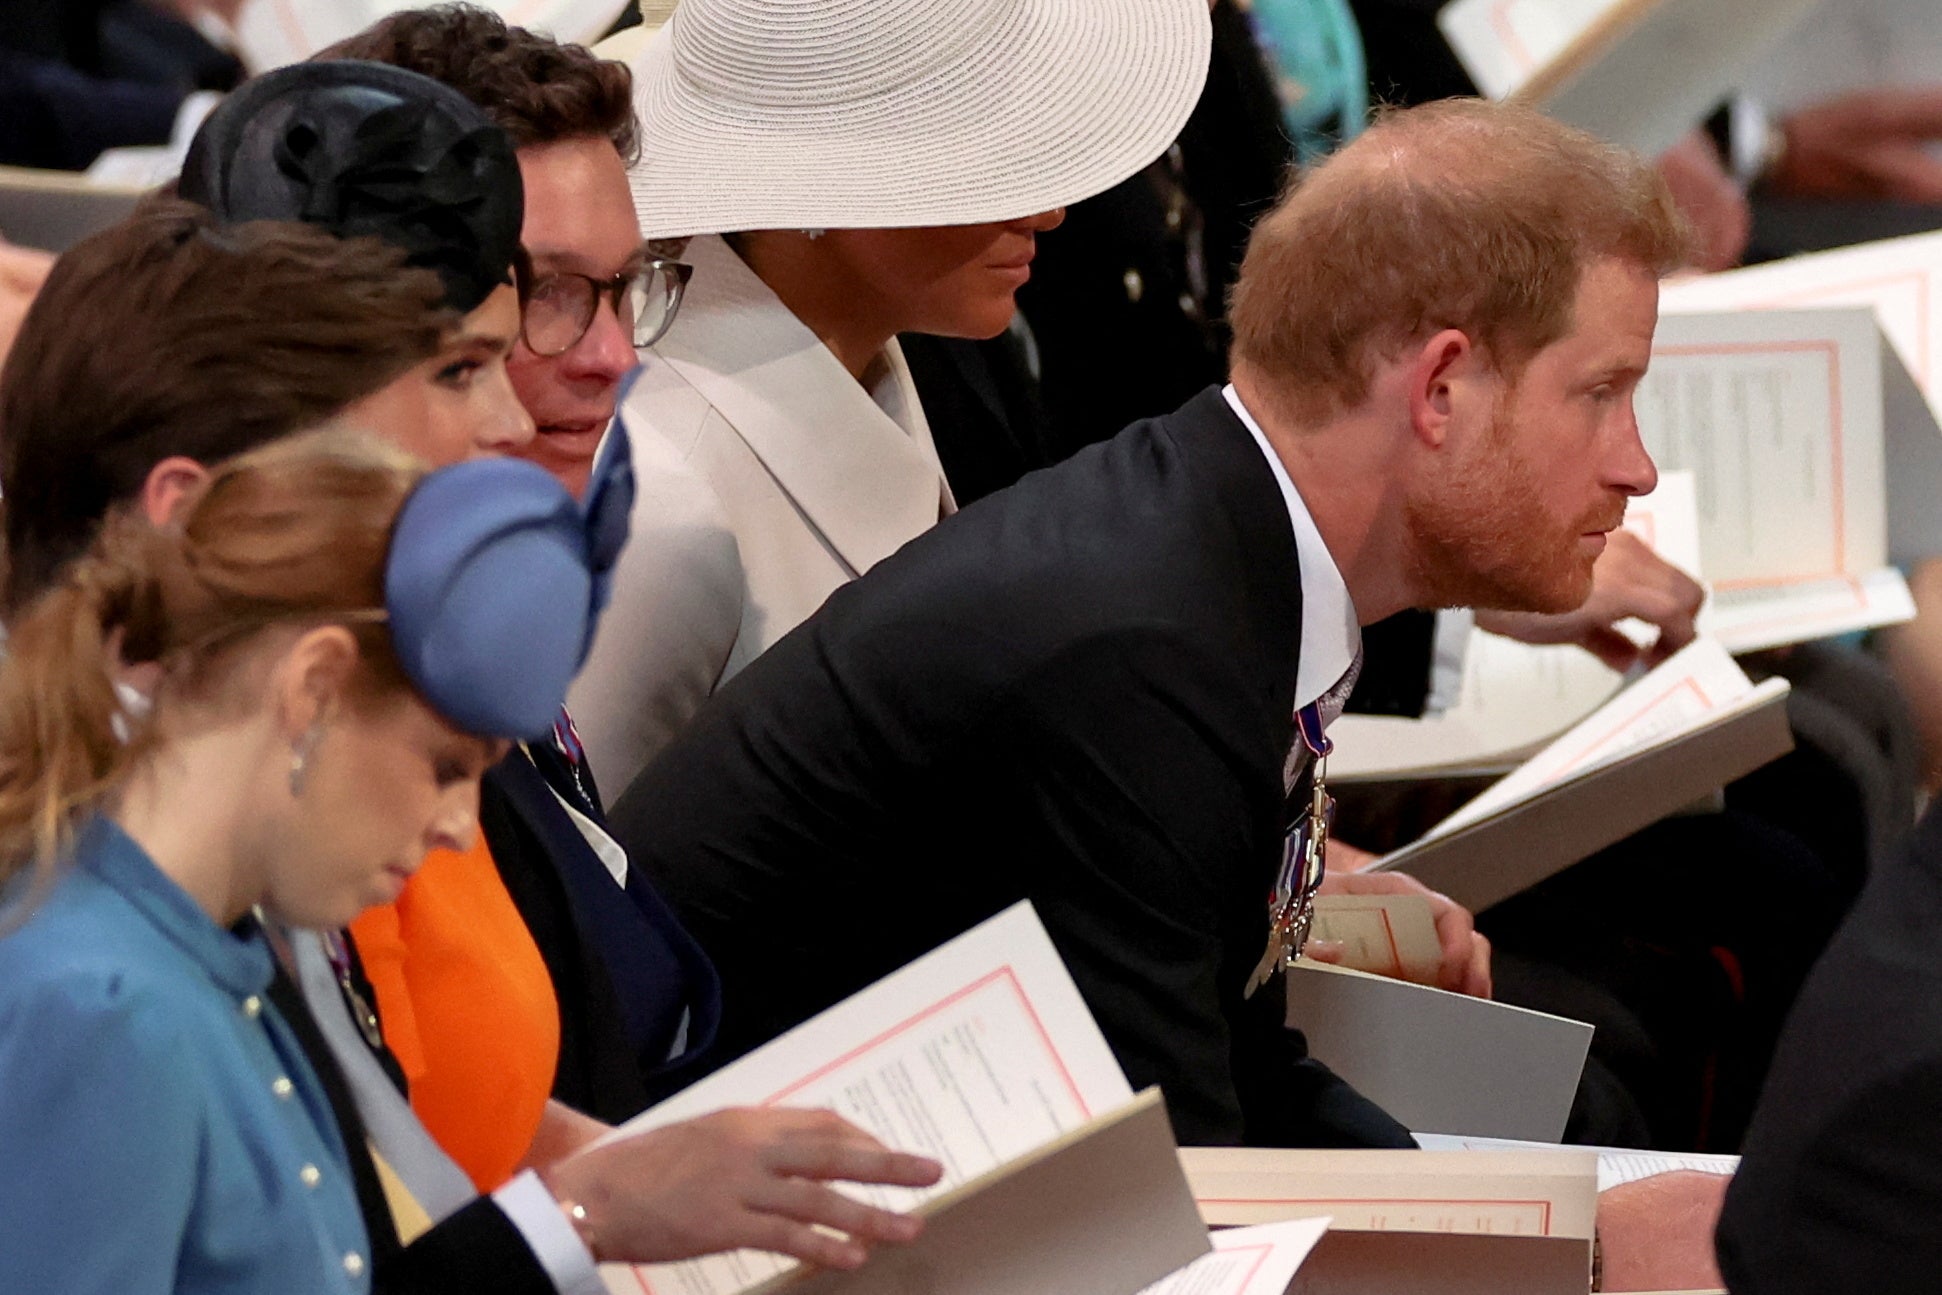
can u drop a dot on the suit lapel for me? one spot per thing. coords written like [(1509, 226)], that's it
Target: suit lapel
[(861, 481), (656, 969)]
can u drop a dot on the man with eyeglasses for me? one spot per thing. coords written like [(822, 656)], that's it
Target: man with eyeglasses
[(596, 291), (638, 1000)]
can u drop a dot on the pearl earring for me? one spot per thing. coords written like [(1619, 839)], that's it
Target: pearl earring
[(300, 757)]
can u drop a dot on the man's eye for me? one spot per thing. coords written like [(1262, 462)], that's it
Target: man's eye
[(458, 373)]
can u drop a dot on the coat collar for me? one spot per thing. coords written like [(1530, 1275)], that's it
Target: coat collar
[(1330, 634), (868, 481), (1258, 537), (238, 964)]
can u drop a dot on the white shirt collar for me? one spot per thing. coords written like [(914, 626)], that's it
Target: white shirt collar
[(1329, 632)]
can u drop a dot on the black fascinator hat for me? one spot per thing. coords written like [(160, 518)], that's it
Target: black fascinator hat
[(367, 150)]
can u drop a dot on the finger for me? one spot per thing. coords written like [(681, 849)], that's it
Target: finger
[(1611, 647), (807, 1202), (798, 1241), (1343, 857), (852, 1160), (1915, 112), (1454, 929), (1350, 882), (23, 268), (1476, 980), (1904, 172), (1325, 950)]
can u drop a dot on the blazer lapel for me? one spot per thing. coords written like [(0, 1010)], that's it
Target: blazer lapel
[(863, 482), (656, 969)]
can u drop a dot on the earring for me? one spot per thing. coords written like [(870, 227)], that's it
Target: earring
[(300, 757)]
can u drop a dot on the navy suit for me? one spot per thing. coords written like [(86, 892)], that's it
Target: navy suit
[(625, 973)]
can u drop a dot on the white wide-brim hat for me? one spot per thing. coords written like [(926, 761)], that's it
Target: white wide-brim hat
[(873, 114)]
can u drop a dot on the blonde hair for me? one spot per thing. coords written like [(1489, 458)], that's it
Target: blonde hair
[(1457, 214), (295, 532)]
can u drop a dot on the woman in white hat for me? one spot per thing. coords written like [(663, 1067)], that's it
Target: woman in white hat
[(852, 169)]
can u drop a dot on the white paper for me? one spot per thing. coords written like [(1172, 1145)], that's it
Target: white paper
[(1260, 1260), (1502, 42), (1781, 416), (975, 1054), (1698, 683), (1752, 620), (1778, 416), (1514, 697), (1502, 1193), (1900, 279), (1616, 1165)]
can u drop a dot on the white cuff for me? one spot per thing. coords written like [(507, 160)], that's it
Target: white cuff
[(1749, 133), (189, 118), (560, 1251), (1448, 650)]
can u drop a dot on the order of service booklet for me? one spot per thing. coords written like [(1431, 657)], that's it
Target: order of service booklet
[(982, 1055), (1673, 737), (1425, 1222)]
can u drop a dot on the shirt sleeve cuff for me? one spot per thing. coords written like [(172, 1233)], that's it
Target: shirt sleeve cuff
[(566, 1259), (1447, 657)]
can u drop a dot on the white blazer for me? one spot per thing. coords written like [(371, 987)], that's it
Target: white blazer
[(767, 476)]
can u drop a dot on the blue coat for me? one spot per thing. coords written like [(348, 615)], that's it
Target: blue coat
[(160, 1129)]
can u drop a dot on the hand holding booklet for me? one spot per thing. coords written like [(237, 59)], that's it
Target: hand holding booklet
[(983, 1056)]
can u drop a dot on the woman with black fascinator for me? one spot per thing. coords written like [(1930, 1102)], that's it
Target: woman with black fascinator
[(368, 151)]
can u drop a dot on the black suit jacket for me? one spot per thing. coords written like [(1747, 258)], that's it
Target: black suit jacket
[(1078, 691), (1841, 1186)]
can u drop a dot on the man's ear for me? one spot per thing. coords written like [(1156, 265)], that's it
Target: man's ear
[(166, 484), (309, 684), (1442, 378)]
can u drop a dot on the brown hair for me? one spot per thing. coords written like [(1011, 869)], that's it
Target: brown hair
[(1458, 214), (297, 531), (168, 334), (534, 88)]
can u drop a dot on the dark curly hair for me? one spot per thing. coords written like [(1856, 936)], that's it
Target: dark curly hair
[(538, 90)]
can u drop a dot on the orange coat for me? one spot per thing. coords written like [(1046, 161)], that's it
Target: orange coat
[(468, 1008)]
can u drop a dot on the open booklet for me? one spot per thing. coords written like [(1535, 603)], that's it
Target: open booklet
[(1426, 1222), (1900, 280), (1638, 72), (1782, 417), (982, 1055), (1677, 735)]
